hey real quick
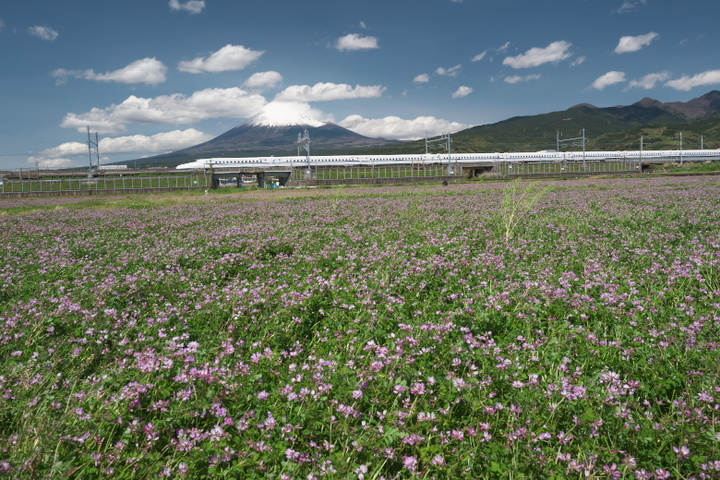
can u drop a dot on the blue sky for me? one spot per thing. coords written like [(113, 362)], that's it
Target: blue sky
[(152, 76)]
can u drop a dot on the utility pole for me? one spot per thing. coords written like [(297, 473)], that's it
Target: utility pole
[(681, 148), (304, 143), (584, 142), (92, 144), (642, 145), (445, 137), (558, 134)]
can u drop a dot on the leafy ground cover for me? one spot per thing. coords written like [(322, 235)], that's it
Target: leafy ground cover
[(393, 333)]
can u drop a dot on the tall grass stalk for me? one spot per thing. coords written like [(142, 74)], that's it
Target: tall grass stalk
[(517, 204)]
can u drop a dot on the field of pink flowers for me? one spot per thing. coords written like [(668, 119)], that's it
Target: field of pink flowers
[(385, 335)]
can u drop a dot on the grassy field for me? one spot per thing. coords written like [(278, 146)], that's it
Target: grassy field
[(562, 330)]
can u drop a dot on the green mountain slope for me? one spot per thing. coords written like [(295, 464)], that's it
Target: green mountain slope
[(611, 128), (695, 135)]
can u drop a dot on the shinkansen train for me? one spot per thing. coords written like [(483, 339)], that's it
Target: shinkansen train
[(459, 158)]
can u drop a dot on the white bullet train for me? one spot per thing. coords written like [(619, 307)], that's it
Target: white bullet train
[(459, 158)]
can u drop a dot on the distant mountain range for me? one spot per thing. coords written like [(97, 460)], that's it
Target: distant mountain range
[(608, 128), (266, 135), (611, 128)]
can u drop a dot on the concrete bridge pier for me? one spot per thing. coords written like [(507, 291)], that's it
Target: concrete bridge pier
[(215, 180), (476, 171), (282, 177)]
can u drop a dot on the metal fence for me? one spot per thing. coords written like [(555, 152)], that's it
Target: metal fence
[(566, 167), (374, 172), (499, 167), (170, 182)]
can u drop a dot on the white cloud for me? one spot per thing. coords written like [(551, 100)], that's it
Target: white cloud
[(517, 78), (148, 70), (504, 47), (321, 92), (450, 72), (161, 142), (462, 92), (263, 80), (228, 58), (422, 78), (578, 61), (354, 41), (363, 25), (45, 33), (53, 162), (396, 128), (648, 81), (56, 157), (633, 44), (610, 78), (69, 148), (176, 109), (553, 53), (686, 83), (629, 5), (192, 6), (479, 56)]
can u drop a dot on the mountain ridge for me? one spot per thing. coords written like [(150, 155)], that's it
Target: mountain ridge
[(275, 133), (258, 136)]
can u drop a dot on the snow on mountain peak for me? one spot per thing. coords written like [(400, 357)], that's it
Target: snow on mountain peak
[(282, 114)]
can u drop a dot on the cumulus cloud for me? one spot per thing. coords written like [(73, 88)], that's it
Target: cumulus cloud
[(423, 78), (610, 78), (354, 41), (161, 142), (633, 44), (46, 33), (517, 78), (462, 92), (321, 92), (57, 157), (578, 61), (553, 53), (228, 58), (192, 6), (52, 162), (687, 83), (269, 79), (148, 70), (649, 81), (449, 72), (176, 109), (479, 56), (396, 128)]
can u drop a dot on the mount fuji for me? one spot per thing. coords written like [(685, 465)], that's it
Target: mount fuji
[(271, 132)]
